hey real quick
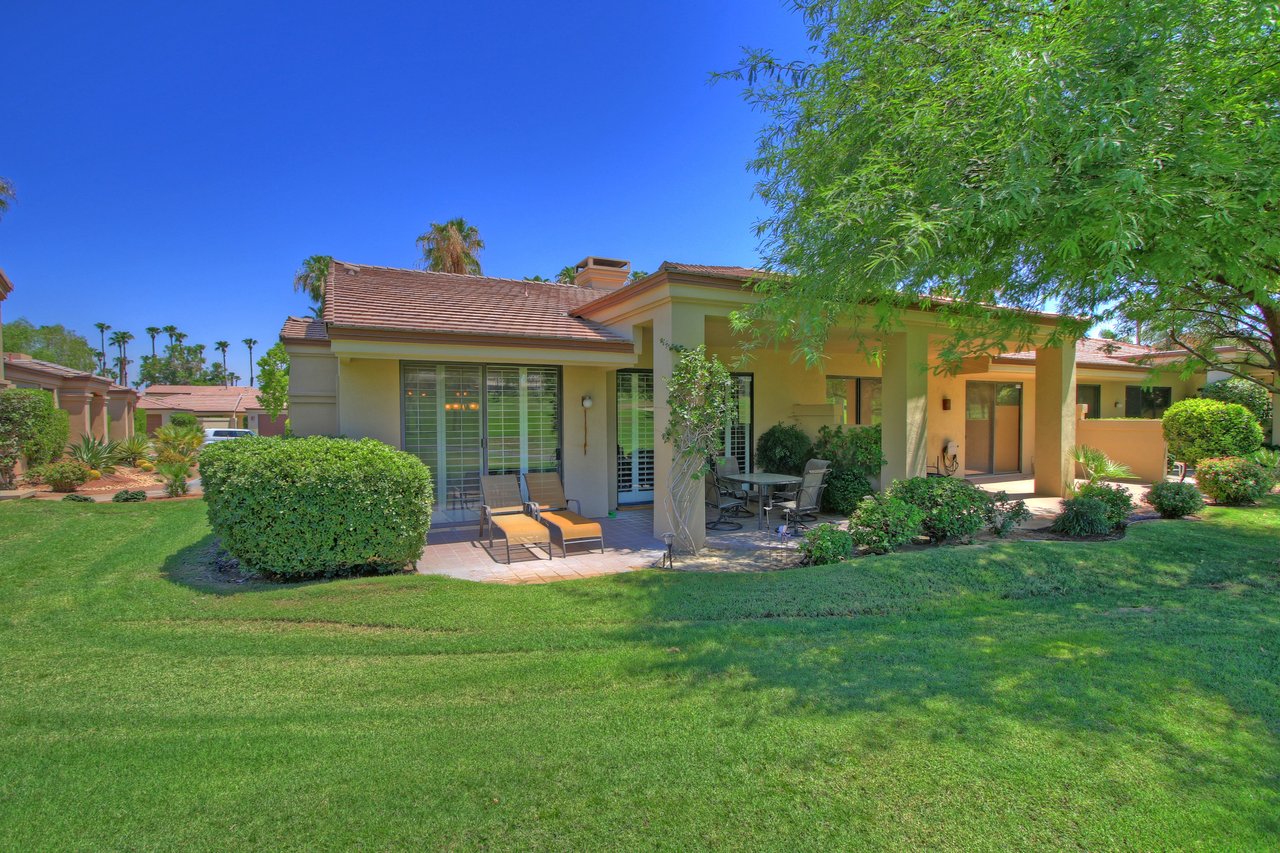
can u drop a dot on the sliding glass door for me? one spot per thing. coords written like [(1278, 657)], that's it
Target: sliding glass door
[(464, 419), (634, 407), (993, 427)]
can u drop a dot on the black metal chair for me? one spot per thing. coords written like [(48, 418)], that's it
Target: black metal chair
[(723, 505), (786, 495), (728, 465), (807, 500)]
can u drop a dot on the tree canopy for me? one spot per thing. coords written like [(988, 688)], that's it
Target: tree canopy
[(1035, 154), (273, 379), (311, 276), (54, 343), (451, 246)]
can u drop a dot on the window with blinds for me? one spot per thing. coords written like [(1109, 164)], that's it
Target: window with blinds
[(635, 436), (737, 435), (523, 425)]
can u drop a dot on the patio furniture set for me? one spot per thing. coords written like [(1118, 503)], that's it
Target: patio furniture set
[(729, 491), (539, 516)]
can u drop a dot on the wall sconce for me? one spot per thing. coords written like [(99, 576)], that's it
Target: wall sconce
[(946, 403), (587, 403)]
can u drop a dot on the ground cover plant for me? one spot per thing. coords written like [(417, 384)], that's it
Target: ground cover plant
[(1013, 695)]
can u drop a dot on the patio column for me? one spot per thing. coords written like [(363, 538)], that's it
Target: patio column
[(76, 404), (120, 424), (905, 405), (1055, 420), (98, 417), (684, 325)]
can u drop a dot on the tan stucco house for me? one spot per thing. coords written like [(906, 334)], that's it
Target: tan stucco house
[(473, 374)]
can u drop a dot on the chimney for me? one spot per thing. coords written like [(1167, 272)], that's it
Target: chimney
[(602, 273)]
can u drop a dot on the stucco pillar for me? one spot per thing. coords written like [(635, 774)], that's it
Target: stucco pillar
[(904, 398), (120, 424), (686, 327), (1055, 420), (98, 417), (76, 404)]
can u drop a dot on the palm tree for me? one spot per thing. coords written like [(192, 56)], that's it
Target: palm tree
[(222, 346), (102, 328), (451, 247), (170, 331), (250, 343), (311, 276), (120, 340), (567, 275), (153, 331), (178, 337), (535, 278), (7, 194), (233, 379)]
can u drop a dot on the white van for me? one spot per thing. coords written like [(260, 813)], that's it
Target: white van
[(223, 434)]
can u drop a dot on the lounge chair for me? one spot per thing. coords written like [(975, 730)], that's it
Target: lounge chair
[(503, 510), (807, 500), (551, 507)]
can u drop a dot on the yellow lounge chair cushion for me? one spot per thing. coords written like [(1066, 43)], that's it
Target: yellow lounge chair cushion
[(521, 529), (572, 526)]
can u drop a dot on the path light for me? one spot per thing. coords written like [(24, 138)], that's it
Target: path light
[(587, 403)]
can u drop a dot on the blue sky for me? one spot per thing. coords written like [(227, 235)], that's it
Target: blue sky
[(175, 162)]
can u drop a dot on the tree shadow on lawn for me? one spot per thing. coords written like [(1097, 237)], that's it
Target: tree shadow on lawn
[(1164, 649), (197, 567)]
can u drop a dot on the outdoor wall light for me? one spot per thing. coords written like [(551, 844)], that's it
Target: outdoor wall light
[(587, 403), (946, 403)]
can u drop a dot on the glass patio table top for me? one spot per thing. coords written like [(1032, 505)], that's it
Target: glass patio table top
[(763, 483)]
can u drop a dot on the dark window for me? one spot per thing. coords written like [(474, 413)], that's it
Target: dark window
[(1140, 402), (1091, 396)]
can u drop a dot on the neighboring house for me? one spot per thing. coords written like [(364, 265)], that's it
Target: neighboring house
[(94, 404), (6, 287), (213, 406), (473, 374)]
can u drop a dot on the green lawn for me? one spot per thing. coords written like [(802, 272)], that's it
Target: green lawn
[(1124, 694)]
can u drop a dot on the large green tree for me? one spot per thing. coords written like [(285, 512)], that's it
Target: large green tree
[(273, 379), (451, 246), (54, 343), (1038, 154)]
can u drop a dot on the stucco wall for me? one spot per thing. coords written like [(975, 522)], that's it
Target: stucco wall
[(585, 470), (369, 399), (1137, 443), (313, 391)]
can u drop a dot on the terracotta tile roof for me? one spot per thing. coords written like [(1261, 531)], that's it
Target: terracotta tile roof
[(710, 269), (60, 371), (417, 301), (1096, 351), (200, 399), (303, 329)]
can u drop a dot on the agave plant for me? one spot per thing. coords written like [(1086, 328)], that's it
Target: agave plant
[(177, 443), (1097, 465), (95, 454), (134, 449)]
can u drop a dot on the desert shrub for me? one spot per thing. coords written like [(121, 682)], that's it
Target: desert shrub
[(31, 426), (177, 443), (1269, 459), (1251, 395), (1117, 499), (78, 499), (65, 476), (1174, 500), (317, 506), (883, 524), (95, 454), (953, 508), (1082, 516), (1202, 429), (1003, 515), (133, 450), (1097, 465), (175, 474), (855, 458), (783, 449), (129, 496), (1233, 481), (826, 544), (184, 419)]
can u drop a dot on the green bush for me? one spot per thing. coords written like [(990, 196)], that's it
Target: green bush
[(31, 427), (133, 449), (1201, 429), (953, 508), (183, 419), (65, 476), (1003, 515), (1174, 500), (175, 475), (855, 458), (783, 449), (826, 544), (78, 499), (1251, 395), (317, 506), (95, 454), (1118, 501), (128, 496), (177, 443), (883, 524), (1233, 481), (1082, 517)]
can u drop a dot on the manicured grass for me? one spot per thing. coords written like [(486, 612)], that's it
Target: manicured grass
[(1122, 694)]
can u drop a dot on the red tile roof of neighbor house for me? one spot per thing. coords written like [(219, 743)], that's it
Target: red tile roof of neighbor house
[(200, 399), (421, 302), (1094, 351), (23, 361)]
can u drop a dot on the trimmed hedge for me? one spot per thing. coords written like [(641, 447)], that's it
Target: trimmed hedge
[(1251, 395), (1233, 481), (1174, 500), (309, 507), (883, 524), (31, 426), (952, 508), (783, 449), (1201, 429)]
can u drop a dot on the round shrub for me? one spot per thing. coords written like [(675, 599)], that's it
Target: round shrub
[(1082, 517), (826, 544), (1200, 429), (1174, 500), (64, 476), (184, 419), (78, 499), (883, 524), (845, 488), (1233, 481), (953, 508), (783, 449), (129, 496), (1251, 395), (317, 506), (1117, 499), (855, 458)]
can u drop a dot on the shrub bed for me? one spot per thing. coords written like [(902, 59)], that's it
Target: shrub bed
[(855, 458), (952, 508), (64, 476), (883, 524), (31, 426), (317, 506), (826, 544), (1174, 500), (1118, 501), (1083, 516), (1202, 429), (1233, 481)]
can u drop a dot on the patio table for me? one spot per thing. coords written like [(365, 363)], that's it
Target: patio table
[(764, 484)]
